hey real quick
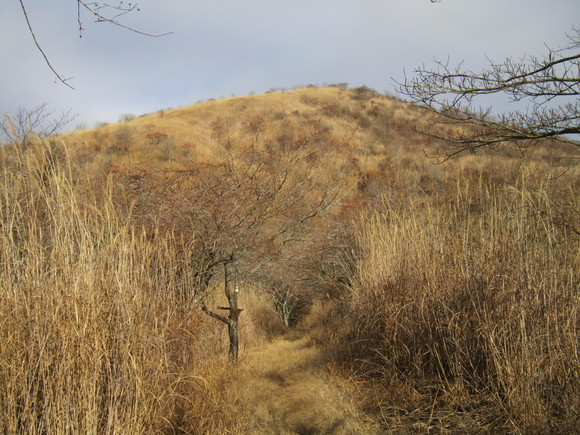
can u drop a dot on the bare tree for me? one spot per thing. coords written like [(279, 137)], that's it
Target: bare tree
[(241, 215), (18, 127), (549, 86), (286, 302), (102, 12), (284, 284)]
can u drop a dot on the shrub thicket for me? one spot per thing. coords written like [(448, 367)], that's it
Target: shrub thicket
[(474, 301)]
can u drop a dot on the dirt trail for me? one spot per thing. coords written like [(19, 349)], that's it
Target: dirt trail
[(289, 389)]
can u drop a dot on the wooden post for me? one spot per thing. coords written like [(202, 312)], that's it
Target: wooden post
[(233, 324), (234, 313)]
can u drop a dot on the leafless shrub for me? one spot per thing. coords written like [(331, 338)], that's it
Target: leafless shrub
[(156, 137), (241, 215), (126, 117), (19, 127), (363, 93), (123, 137)]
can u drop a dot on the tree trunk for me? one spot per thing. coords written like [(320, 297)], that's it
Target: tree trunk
[(234, 315), (234, 343)]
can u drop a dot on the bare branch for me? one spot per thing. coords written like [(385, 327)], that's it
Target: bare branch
[(550, 85), (103, 12), (100, 11), (216, 316), (58, 76)]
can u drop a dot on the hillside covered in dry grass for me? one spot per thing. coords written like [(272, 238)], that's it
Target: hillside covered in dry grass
[(383, 290)]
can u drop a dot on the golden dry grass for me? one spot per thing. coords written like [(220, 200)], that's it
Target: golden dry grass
[(473, 305), (96, 339), (337, 119), (460, 313), (92, 338)]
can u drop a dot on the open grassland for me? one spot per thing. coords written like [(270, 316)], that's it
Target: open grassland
[(426, 297)]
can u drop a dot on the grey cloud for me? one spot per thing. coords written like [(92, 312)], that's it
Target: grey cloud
[(224, 47)]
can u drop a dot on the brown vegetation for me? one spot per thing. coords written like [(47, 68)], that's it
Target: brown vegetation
[(93, 341), (470, 307), (381, 291)]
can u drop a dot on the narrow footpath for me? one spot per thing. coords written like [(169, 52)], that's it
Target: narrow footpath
[(289, 388)]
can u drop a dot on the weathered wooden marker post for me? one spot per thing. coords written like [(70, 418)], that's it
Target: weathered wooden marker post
[(234, 312)]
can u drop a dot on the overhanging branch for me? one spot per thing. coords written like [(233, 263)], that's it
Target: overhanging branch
[(449, 92), (58, 76), (97, 9)]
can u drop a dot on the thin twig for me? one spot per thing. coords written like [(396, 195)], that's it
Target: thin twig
[(61, 79)]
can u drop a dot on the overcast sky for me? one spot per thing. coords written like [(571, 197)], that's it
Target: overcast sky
[(221, 48)]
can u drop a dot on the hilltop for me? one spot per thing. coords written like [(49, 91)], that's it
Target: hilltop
[(372, 142), (359, 124)]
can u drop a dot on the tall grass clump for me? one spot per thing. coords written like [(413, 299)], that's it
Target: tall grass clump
[(475, 303), (92, 337)]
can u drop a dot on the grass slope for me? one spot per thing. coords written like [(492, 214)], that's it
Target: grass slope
[(434, 296)]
